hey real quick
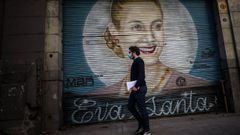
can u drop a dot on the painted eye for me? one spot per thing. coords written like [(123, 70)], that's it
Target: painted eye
[(137, 27), (157, 27)]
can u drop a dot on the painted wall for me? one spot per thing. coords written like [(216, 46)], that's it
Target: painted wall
[(178, 43)]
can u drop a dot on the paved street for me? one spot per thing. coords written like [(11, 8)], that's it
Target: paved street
[(201, 124)]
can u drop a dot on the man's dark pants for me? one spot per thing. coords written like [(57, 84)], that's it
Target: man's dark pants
[(137, 99)]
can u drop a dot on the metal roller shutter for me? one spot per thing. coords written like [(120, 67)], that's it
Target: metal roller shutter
[(178, 43)]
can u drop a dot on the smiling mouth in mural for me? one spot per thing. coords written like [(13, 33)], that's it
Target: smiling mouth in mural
[(148, 50)]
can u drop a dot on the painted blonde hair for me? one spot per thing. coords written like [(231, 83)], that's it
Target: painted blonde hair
[(116, 16)]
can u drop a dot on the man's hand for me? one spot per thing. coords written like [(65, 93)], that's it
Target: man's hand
[(135, 89)]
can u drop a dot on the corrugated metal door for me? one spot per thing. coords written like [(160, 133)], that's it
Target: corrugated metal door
[(178, 43)]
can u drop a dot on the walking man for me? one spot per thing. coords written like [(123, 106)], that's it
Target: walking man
[(136, 101)]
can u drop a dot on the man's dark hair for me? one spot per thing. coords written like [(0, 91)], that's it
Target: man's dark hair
[(135, 49)]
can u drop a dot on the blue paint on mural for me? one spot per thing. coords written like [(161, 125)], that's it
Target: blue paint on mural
[(207, 61), (76, 69), (79, 77)]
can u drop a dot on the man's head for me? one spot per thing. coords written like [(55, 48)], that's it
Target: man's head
[(134, 51)]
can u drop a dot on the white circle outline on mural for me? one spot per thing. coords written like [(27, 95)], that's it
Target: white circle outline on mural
[(179, 35)]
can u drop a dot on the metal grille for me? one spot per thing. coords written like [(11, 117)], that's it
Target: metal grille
[(184, 79)]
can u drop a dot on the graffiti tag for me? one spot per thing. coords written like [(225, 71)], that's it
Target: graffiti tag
[(79, 81), (88, 110)]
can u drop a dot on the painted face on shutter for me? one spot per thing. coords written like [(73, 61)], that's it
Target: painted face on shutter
[(142, 26)]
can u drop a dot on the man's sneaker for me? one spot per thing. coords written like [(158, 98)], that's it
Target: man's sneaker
[(139, 131), (147, 133)]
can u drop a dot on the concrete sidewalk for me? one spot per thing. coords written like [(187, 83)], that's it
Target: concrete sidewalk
[(201, 124)]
